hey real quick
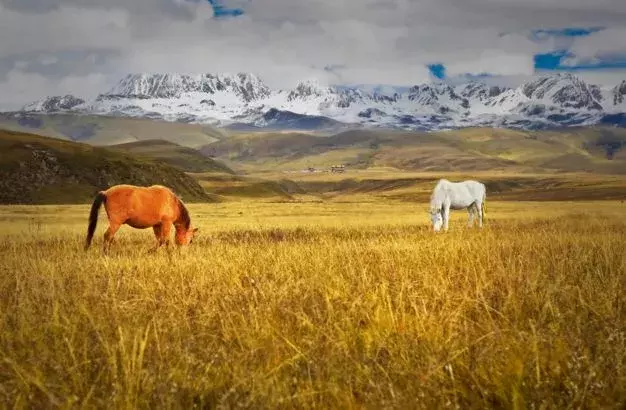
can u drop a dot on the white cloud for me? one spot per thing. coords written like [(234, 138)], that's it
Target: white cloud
[(494, 64), (68, 28), (21, 88), (20, 65), (370, 41), (606, 43), (48, 59), (605, 78)]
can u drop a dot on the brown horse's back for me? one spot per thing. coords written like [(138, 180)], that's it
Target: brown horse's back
[(140, 207)]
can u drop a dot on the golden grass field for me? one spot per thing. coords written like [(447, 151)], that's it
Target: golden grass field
[(318, 304)]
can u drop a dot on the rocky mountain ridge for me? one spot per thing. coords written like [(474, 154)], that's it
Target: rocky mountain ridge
[(551, 101)]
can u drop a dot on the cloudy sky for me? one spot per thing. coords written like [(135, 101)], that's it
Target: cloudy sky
[(82, 47)]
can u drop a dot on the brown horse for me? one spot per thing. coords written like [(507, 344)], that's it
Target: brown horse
[(142, 207)]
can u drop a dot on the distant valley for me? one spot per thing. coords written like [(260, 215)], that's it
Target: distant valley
[(204, 148), (214, 163), (573, 163)]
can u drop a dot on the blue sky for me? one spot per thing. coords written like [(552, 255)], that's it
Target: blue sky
[(222, 11), (554, 60), (437, 70)]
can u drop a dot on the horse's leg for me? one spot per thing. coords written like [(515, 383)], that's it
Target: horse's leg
[(479, 210), (166, 229), (472, 213), (446, 216), (109, 234), (157, 233)]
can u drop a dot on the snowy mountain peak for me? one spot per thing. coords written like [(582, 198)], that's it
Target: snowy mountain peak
[(619, 93), (549, 101), (480, 91), (564, 90), (54, 104), (148, 86), (428, 93), (309, 88), (441, 98), (143, 86)]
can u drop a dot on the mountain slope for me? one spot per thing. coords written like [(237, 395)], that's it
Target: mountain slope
[(38, 170), (247, 87), (598, 149), (551, 101), (102, 130), (184, 158)]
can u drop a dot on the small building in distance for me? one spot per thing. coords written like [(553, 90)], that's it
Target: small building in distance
[(338, 168)]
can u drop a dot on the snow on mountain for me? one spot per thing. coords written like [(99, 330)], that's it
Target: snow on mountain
[(54, 104), (565, 91), (247, 87), (437, 98), (177, 97), (478, 91), (618, 95), (223, 99)]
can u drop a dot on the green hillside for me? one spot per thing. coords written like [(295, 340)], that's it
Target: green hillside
[(184, 158), (101, 130), (39, 170)]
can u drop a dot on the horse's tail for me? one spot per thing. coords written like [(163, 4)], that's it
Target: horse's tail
[(93, 217)]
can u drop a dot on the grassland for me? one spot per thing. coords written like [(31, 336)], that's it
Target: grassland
[(329, 304), (382, 184), (322, 290)]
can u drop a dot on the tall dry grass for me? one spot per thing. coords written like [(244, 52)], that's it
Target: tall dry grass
[(318, 305)]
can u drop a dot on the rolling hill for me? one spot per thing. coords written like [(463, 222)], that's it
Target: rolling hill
[(102, 130), (577, 149), (239, 187), (41, 170), (185, 158)]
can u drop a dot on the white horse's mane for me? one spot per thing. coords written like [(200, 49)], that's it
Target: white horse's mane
[(438, 194)]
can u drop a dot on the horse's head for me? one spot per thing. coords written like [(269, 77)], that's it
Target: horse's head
[(436, 219), (186, 237)]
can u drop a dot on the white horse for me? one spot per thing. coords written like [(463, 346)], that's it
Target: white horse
[(470, 195)]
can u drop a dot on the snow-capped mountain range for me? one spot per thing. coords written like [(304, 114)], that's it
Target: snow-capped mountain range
[(245, 100)]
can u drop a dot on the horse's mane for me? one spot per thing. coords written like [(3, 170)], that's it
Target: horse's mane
[(438, 191), (184, 214), (440, 184)]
